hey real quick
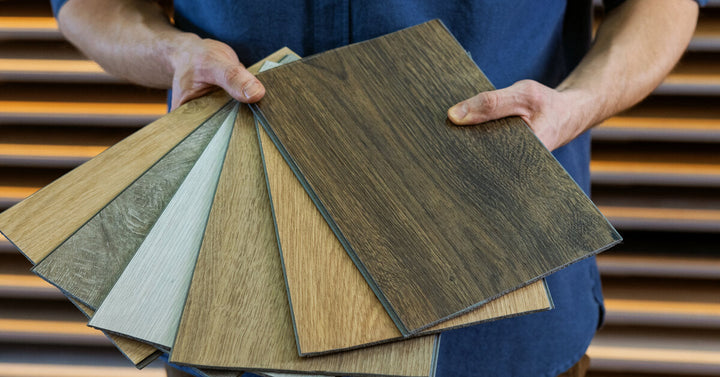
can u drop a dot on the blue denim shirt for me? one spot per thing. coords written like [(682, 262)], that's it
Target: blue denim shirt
[(510, 41)]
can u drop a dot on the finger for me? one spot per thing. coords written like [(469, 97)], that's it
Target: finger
[(495, 104), (239, 83)]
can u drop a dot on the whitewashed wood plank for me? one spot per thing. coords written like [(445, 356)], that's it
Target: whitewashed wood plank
[(147, 300)]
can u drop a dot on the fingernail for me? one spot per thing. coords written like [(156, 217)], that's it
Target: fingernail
[(251, 89), (458, 112)]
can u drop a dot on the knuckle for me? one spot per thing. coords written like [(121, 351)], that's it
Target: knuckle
[(490, 102), (232, 73), (534, 95)]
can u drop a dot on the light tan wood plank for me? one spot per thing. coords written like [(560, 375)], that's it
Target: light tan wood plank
[(40, 223), (237, 314), (88, 263), (333, 307), (147, 300)]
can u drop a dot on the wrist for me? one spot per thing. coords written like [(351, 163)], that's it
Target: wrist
[(176, 49), (582, 109)]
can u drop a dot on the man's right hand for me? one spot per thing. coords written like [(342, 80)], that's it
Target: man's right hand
[(135, 40), (201, 65)]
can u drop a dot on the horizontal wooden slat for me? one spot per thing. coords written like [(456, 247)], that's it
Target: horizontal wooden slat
[(666, 118), (55, 146), (663, 219), (653, 173), (6, 246), (77, 113), (49, 331), (676, 267), (707, 32), (62, 370), (68, 360), (10, 195), (655, 353), (28, 286), (655, 164), (696, 74), (50, 70), (29, 28), (661, 129), (47, 155), (662, 313)]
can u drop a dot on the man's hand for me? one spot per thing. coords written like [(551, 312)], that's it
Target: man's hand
[(201, 65), (135, 40), (548, 112), (636, 46)]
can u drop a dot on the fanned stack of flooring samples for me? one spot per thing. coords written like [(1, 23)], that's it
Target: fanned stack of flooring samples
[(337, 231), (439, 219)]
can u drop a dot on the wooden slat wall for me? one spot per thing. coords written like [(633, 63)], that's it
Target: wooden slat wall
[(656, 174), (57, 110)]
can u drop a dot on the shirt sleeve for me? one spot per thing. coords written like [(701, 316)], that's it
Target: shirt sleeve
[(56, 5)]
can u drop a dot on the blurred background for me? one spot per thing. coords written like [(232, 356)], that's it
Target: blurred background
[(656, 176)]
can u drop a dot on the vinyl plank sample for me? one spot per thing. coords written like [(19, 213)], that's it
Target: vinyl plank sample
[(439, 219), (87, 265), (147, 300), (40, 223), (333, 307), (237, 314)]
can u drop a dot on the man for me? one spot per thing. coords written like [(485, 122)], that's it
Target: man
[(539, 52)]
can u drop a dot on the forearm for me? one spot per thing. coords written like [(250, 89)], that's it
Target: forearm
[(132, 39), (635, 48)]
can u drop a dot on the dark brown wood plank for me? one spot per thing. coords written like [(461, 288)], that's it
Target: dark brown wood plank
[(438, 218)]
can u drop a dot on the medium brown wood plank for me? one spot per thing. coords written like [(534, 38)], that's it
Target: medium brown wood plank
[(237, 313), (438, 218), (333, 307), (87, 264)]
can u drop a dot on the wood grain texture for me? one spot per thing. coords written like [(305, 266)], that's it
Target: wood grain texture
[(237, 313), (40, 223), (438, 218), (147, 300), (87, 265), (333, 307)]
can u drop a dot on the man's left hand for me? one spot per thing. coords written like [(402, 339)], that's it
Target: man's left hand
[(548, 112)]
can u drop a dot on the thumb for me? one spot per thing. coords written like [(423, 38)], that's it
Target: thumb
[(490, 105), (239, 83)]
